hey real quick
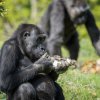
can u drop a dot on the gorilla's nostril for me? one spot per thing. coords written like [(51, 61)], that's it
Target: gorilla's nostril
[(43, 49)]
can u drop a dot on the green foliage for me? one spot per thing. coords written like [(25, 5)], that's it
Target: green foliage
[(2, 96), (19, 11), (1, 8)]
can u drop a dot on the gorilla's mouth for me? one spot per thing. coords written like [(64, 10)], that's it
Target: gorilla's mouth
[(43, 51), (37, 53)]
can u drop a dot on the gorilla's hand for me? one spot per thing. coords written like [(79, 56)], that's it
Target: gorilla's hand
[(55, 63), (46, 63), (62, 64)]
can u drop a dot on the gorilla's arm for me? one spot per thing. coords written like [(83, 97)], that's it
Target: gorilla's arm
[(91, 26), (53, 75), (93, 31), (10, 76), (26, 62)]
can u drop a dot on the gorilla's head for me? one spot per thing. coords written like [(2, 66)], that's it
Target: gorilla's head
[(31, 41), (76, 7)]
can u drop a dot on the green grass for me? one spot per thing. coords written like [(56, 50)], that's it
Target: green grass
[(79, 86)]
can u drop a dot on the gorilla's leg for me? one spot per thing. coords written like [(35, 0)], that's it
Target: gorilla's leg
[(54, 47), (45, 88), (73, 46), (56, 29), (25, 92), (59, 92), (93, 31), (44, 24)]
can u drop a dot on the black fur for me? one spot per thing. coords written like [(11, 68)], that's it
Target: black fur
[(21, 66)]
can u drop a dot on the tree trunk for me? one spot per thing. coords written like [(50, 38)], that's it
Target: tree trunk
[(33, 4)]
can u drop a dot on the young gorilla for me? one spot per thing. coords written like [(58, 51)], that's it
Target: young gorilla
[(58, 22), (21, 65)]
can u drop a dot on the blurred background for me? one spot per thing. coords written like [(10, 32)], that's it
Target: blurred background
[(76, 85), (15, 12)]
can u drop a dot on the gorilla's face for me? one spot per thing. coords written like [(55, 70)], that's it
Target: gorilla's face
[(76, 7), (79, 3), (34, 43)]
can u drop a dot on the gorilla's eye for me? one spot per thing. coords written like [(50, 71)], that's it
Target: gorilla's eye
[(26, 34), (41, 39)]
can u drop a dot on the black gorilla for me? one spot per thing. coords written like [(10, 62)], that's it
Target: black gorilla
[(21, 66), (59, 22)]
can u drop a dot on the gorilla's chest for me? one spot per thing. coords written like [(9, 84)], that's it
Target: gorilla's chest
[(24, 62)]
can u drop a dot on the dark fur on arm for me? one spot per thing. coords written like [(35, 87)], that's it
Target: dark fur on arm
[(10, 77), (91, 26)]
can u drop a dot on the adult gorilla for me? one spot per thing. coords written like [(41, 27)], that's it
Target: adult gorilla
[(21, 65), (59, 20)]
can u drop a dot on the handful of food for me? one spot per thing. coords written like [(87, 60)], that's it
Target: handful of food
[(61, 64)]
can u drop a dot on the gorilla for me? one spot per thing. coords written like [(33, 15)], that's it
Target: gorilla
[(59, 22), (25, 74)]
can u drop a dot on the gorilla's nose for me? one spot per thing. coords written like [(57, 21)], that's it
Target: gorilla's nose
[(43, 49)]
